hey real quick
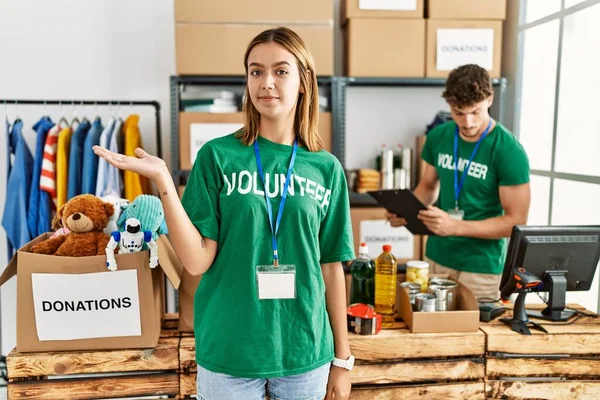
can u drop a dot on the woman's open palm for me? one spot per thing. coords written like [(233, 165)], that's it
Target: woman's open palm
[(144, 164)]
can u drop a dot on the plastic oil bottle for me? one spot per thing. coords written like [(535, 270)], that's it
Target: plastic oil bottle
[(362, 289), (385, 286)]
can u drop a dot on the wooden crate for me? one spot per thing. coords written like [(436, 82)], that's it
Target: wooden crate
[(187, 367), (98, 374), (396, 364), (563, 364)]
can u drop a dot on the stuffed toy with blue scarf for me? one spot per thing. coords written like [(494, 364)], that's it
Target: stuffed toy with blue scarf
[(149, 211)]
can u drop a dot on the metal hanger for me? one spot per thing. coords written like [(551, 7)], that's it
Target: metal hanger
[(83, 117), (17, 117), (63, 120), (75, 118)]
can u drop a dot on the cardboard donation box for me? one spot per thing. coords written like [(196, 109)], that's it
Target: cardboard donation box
[(466, 9), (75, 303), (464, 319), (370, 226), (385, 47), (452, 43), (197, 128), (187, 291), (382, 9)]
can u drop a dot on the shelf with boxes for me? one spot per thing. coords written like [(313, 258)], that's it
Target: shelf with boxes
[(211, 37), (193, 122), (421, 38)]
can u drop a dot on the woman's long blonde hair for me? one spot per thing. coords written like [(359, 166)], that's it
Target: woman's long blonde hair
[(306, 119)]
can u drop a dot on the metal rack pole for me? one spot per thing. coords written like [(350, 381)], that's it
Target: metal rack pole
[(154, 104)]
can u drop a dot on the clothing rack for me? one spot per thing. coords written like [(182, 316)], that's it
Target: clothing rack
[(117, 103)]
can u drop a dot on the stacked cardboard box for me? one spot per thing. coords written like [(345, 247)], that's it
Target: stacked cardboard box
[(384, 38), (211, 37), (464, 32)]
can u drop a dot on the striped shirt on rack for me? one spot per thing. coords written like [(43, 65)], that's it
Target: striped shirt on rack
[(48, 176)]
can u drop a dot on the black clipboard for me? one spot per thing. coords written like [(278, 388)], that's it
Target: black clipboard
[(405, 204)]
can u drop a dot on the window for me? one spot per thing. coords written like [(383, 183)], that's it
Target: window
[(540, 200), (536, 9), (578, 136), (557, 103), (538, 92), (570, 208), (570, 3)]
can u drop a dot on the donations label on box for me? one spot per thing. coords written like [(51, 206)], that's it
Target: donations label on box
[(86, 306), (456, 47), (376, 233), (201, 133), (401, 5)]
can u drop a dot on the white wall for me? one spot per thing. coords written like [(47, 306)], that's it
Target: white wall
[(92, 49)]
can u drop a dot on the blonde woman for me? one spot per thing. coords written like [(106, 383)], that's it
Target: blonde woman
[(265, 218)]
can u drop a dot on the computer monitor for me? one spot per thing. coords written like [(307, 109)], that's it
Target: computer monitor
[(564, 258)]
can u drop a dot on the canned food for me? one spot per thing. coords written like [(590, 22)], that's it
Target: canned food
[(413, 290), (418, 272), (452, 290), (426, 302), (442, 294)]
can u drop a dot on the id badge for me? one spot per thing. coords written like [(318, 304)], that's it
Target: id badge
[(457, 215), (276, 283)]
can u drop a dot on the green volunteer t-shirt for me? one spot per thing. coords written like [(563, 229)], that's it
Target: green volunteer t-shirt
[(500, 161), (236, 333)]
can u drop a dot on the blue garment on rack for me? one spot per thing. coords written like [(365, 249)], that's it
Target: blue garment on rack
[(9, 248), (39, 212), (90, 159), (102, 177), (14, 218), (76, 159)]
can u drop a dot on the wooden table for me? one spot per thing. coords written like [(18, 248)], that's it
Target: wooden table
[(563, 364), (98, 374), (397, 364), (493, 362)]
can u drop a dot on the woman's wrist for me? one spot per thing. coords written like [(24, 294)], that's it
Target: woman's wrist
[(164, 181)]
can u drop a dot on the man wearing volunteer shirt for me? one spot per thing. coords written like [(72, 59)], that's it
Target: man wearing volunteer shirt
[(478, 173)]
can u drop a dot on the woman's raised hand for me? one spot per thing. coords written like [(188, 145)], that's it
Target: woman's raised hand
[(144, 164)]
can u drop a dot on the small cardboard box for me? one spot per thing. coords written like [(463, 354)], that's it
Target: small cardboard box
[(466, 9), (385, 47), (256, 11), (369, 225), (464, 319), (75, 303), (187, 291), (382, 9), (218, 49), (196, 128), (452, 43)]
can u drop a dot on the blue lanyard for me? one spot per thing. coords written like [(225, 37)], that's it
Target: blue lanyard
[(275, 228), (458, 186)]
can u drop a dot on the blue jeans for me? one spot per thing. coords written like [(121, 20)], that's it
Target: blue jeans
[(311, 385)]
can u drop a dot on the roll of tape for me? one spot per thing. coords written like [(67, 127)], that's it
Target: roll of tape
[(363, 319)]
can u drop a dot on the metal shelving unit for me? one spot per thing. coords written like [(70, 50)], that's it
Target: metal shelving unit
[(176, 83), (364, 200), (498, 83), (337, 105)]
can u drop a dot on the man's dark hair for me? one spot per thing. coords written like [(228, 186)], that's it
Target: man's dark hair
[(467, 85)]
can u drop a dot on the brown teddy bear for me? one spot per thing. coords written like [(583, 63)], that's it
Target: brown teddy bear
[(85, 216)]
